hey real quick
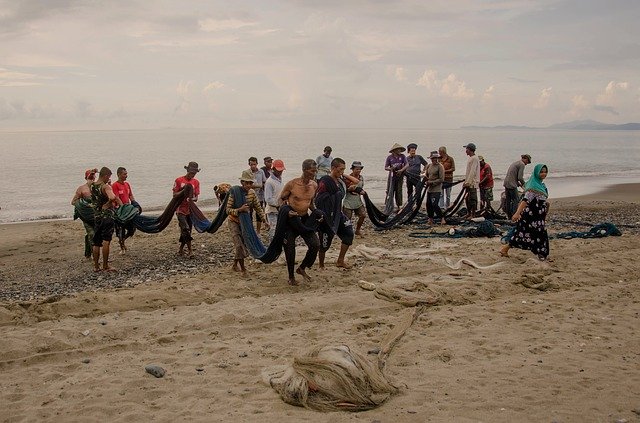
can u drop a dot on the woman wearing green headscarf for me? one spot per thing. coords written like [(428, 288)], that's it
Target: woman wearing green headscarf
[(531, 233)]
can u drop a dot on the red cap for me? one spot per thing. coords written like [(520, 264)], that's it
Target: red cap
[(89, 172), (278, 165)]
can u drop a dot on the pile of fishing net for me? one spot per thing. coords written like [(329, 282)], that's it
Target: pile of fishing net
[(337, 377), (600, 230)]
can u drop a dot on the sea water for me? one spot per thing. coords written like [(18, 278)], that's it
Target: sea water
[(40, 171)]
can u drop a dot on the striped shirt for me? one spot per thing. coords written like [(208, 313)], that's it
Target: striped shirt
[(253, 203)]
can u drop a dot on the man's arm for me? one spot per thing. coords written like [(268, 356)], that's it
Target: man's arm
[(76, 197), (286, 192), (521, 176), (131, 197), (110, 195)]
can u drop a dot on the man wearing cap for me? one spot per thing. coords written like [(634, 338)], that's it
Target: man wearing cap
[(415, 162), (472, 180), (251, 204), (298, 193), (102, 200), (486, 184), (395, 164), (324, 163), (183, 213), (435, 178), (513, 180), (272, 190), (268, 165), (352, 202), (84, 192), (449, 167)]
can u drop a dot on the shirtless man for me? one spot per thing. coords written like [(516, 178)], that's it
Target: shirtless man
[(298, 194), (103, 198), (84, 192)]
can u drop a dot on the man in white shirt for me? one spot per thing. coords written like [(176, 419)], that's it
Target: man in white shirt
[(272, 189), (472, 180)]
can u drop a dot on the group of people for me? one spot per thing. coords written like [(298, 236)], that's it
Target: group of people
[(326, 198), (528, 209), (104, 196)]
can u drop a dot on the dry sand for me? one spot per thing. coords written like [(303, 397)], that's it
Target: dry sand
[(493, 350)]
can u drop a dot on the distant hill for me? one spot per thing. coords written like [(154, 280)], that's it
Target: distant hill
[(589, 125)]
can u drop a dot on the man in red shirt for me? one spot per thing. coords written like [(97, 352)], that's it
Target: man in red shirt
[(183, 213), (486, 184), (122, 189)]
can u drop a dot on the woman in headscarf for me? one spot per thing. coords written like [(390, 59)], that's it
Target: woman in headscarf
[(531, 233)]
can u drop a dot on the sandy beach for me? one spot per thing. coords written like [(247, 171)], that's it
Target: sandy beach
[(517, 340)]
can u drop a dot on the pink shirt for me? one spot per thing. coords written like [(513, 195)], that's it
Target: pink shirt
[(122, 191), (180, 182)]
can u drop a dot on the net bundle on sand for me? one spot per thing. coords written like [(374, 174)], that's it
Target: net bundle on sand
[(338, 378)]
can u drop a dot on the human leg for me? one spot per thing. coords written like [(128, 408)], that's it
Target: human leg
[(272, 218), (185, 232), (472, 202), (398, 190), (345, 233), (290, 255)]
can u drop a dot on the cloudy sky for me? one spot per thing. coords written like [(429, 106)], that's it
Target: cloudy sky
[(125, 64)]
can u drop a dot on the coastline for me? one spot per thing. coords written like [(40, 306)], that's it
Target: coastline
[(519, 340), (614, 189)]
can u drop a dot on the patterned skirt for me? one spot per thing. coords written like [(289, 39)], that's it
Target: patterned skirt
[(531, 233)]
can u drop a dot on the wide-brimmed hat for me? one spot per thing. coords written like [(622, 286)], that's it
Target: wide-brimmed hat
[(481, 158), (192, 167), (434, 155), (247, 176), (357, 164), (471, 146), (278, 165), (397, 146)]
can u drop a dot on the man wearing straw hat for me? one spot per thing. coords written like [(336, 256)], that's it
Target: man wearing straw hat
[(183, 213), (396, 164), (252, 204)]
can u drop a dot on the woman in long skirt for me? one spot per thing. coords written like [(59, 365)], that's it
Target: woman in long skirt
[(531, 232)]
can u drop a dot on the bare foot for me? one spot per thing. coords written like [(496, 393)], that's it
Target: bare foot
[(300, 271), (180, 253), (235, 268), (344, 265), (443, 222), (504, 251), (109, 269), (293, 282), (97, 269)]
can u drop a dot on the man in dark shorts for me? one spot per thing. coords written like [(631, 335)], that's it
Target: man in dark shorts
[(298, 194), (103, 200), (329, 197), (184, 212)]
